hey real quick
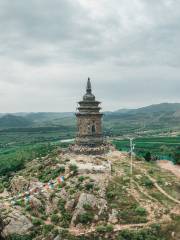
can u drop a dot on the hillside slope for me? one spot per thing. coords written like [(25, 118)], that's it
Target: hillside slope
[(97, 199)]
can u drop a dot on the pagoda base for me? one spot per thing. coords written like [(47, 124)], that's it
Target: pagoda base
[(89, 150)]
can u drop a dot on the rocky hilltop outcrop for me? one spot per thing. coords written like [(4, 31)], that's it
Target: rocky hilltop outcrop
[(66, 194)]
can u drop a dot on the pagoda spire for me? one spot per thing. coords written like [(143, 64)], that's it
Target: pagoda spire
[(88, 87)]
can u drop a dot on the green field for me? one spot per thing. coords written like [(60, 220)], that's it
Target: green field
[(18, 146), (160, 147)]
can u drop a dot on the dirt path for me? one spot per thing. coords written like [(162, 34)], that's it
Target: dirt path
[(167, 165), (117, 227), (157, 185), (162, 191)]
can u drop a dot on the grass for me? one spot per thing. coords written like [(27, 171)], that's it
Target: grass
[(129, 211)]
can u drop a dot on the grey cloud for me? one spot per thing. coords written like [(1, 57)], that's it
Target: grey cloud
[(49, 48)]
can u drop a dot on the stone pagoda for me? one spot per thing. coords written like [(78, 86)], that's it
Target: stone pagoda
[(89, 139)]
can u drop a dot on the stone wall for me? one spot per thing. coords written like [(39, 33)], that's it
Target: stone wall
[(86, 122)]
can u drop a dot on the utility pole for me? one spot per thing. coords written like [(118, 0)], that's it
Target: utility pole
[(131, 162)]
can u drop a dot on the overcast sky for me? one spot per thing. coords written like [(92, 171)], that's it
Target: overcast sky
[(48, 48)]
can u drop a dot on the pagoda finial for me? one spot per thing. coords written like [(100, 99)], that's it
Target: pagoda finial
[(88, 88)]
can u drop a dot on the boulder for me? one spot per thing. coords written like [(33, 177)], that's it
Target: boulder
[(2, 224), (57, 238), (113, 217), (35, 203), (70, 205), (19, 184), (17, 224), (99, 204)]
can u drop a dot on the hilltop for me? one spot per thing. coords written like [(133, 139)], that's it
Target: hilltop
[(97, 199)]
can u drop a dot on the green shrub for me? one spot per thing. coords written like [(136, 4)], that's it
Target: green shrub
[(89, 186), (55, 218), (109, 228), (1, 188), (101, 229), (47, 228), (86, 217), (148, 156), (36, 221), (28, 208), (110, 195), (19, 237), (87, 206), (61, 169), (104, 229), (73, 168), (144, 234), (141, 211), (61, 204), (81, 178), (148, 183)]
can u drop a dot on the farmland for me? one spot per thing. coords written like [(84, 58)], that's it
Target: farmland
[(20, 145), (161, 147)]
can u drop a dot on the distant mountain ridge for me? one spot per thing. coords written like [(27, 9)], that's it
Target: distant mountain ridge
[(162, 115), (12, 121), (165, 107)]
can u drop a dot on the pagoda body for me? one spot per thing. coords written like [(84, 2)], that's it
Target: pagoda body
[(89, 137)]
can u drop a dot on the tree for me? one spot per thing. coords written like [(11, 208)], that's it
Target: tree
[(148, 157), (176, 157)]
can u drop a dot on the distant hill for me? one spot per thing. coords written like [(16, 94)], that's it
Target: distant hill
[(154, 117), (11, 121), (162, 107), (159, 116)]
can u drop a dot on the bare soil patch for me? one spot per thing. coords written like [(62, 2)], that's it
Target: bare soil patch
[(167, 165)]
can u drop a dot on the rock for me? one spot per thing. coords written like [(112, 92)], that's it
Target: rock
[(19, 184), (62, 194), (96, 217), (113, 216), (57, 238), (70, 205), (17, 224), (2, 224), (96, 203), (35, 203)]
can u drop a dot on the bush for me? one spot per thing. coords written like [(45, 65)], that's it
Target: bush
[(36, 221), (110, 195), (104, 229), (19, 237), (86, 217), (148, 183), (144, 234), (47, 228), (101, 229), (89, 186), (61, 204), (141, 211), (109, 228), (87, 206), (148, 157), (73, 168), (176, 157), (81, 178), (1, 188), (55, 218)]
